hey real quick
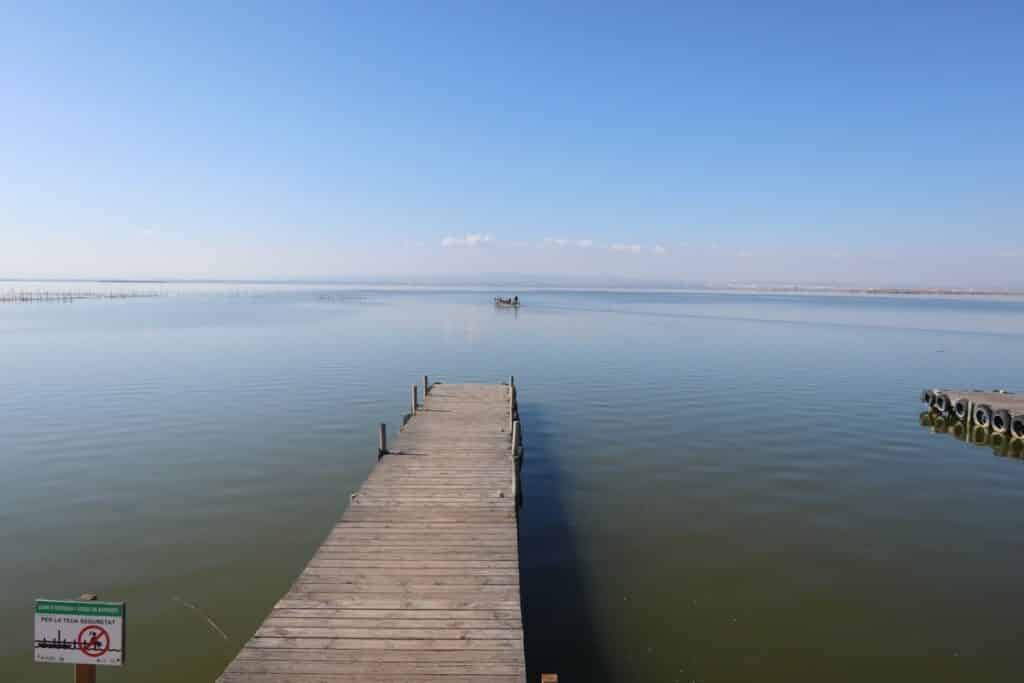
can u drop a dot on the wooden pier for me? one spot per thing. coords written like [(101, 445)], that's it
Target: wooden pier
[(1000, 411), (419, 580)]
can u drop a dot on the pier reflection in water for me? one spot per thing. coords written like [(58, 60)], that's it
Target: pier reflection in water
[(1002, 445)]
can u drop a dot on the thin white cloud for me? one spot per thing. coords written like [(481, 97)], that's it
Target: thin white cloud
[(638, 249), (563, 242), (470, 240), (631, 248)]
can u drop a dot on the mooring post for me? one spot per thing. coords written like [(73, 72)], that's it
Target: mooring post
[(426, 387), (515, 437), (85, 673), (512, 408), (414, 401), (382, 440)]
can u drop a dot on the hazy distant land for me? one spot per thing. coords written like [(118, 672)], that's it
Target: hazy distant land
[(13, 290)]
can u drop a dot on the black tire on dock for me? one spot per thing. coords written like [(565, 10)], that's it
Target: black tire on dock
[(983, 415), (942, 403), (961, 407), (928, 396), (1017, 426), (1001, 421)]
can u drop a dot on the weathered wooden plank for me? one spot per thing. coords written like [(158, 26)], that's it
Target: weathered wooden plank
[(384, 643), (397, 614), (376, 624), (419, 580), (353, 656), (322, 590), (387, 556), (230, 677), (423, 633), (423, 567), (433, 574), (440, 543), (308, 601), (406, 578), (497, 515), (380, 668)]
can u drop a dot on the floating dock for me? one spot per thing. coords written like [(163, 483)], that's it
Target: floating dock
[(999, 411), (419, 580)]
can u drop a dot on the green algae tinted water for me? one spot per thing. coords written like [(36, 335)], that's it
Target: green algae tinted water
[(717, 487)]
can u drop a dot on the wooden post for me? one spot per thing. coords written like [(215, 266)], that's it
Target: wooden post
[(85, 673), (549, 678), (414, 401), (426, 387), (515, 436), (512, 408), (382, 443)]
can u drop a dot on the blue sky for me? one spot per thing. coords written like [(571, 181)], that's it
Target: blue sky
[(867, 144)]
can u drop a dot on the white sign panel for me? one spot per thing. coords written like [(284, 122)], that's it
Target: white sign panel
[(74, 632)]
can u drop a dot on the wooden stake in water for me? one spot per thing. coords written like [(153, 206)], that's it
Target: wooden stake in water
[(85, 673), (382, 440)]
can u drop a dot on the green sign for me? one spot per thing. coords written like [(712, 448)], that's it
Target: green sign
[(99, 609), (79, 632)]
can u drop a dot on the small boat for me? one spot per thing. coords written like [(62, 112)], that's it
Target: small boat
[(512, 302)]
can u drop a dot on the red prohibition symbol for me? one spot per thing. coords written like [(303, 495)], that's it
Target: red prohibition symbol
[(94, 641)]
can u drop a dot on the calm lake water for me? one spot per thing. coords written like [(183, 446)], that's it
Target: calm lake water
[(717, 487)]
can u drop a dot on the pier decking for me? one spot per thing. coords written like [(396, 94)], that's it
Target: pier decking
[(419, 580)]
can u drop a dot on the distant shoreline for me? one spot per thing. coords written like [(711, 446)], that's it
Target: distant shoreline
[(540, 285), (883, 291)]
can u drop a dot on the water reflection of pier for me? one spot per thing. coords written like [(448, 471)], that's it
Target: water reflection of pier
[(1001, 443)]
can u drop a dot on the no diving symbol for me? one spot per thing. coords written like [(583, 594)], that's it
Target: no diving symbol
[(94, 641)]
